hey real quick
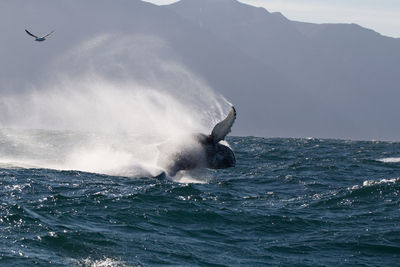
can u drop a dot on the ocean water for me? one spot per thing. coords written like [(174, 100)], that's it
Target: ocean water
[(302, 202)]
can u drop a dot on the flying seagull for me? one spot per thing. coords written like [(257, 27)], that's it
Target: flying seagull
[(39, 39)]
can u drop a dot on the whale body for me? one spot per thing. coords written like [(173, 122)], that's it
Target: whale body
[(199, 150)]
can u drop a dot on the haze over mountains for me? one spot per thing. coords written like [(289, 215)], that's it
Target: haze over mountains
[(286, 78)]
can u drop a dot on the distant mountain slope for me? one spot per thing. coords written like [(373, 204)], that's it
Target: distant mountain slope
[(350, 73), (226, 68), (285, 78)]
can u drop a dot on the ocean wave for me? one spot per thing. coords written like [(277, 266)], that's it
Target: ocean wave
[(368, 183), (261, 212), (106, 262), (382, 181)]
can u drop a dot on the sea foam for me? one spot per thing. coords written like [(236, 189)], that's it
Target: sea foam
[(389, 160)]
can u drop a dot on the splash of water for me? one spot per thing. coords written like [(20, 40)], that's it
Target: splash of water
[(105, 106)]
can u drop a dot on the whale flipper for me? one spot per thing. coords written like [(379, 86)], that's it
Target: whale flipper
[(223, 128)]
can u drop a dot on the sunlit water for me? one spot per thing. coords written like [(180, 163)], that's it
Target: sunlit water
[(303, 202)]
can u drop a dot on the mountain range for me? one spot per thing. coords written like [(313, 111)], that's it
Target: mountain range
[(285, 78)]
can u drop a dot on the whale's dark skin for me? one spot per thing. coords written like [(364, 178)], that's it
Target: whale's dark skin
[(203, 151), (218, 156)]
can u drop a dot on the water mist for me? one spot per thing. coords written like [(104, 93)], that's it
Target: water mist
[(105, 106)]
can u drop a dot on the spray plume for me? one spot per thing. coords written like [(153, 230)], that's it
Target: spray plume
[(104, 107)]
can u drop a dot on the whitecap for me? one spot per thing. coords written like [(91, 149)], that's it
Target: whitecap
[(382, 181), (389, 160), (368, 183), (101, 262)]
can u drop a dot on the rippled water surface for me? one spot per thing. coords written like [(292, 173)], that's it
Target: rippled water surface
[(304, 202)]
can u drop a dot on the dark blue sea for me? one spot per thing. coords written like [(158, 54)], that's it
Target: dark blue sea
[(288, 202)]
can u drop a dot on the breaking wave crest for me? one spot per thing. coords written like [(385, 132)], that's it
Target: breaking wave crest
[(389, 160)]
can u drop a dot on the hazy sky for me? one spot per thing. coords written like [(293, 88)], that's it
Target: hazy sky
[(382, 16)]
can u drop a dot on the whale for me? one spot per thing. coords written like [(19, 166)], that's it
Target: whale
[(199, 150)]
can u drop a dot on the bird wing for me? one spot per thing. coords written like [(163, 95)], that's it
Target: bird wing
[(30, 33), (48, 34), (224, 127)]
